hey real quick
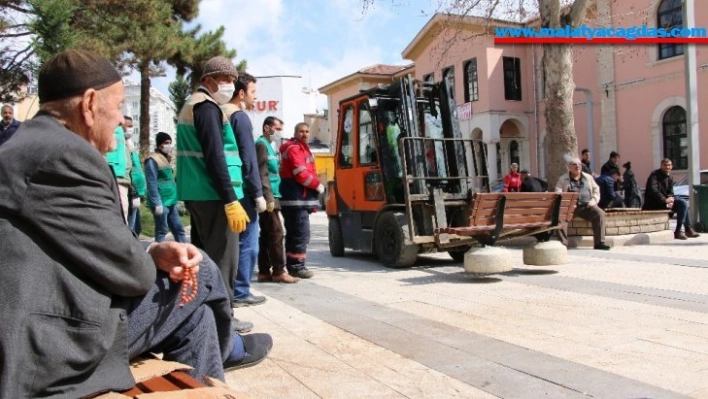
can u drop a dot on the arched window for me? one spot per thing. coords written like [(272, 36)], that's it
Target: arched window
[(471, 89), (514, 153), (675, 137), (669, 15)]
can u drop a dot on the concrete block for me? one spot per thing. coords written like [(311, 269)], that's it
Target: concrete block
[(545, 253), (488, 260)]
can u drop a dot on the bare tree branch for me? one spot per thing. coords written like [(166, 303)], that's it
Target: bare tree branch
[(19, 34), (578, 11)]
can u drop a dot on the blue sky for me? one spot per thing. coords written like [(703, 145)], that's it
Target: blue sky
[(319, 40)]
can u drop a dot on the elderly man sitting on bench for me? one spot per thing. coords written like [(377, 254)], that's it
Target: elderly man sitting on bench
[(81, 296), (588, 197)]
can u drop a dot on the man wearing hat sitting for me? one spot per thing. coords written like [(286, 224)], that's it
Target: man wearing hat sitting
[(81, 296)]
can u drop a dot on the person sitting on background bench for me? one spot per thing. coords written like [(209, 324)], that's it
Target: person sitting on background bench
[(588, 196), (81, 296), (609, 198), (659, 194)]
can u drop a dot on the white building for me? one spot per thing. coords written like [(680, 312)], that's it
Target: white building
[(284, 97), (162, 111)]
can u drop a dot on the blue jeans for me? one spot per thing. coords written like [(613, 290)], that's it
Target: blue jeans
[(248, 253), (134, 220), (169, 218), (682, 218)]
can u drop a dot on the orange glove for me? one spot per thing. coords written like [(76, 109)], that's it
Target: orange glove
[(237, 217)]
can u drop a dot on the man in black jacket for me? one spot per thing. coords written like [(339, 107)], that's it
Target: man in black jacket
[(530, 184), (659, 194)]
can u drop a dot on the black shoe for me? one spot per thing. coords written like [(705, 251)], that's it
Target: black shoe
[(602, 246), (257, 348), (248, 301), (301, 273), (242, 327)]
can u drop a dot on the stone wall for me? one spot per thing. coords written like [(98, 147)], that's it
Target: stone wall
[(621, 222)]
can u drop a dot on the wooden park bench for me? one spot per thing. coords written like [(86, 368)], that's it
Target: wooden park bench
[(495, 216)]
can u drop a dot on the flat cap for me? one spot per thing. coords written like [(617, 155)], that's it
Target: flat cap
[(219, 66), (72, 72)]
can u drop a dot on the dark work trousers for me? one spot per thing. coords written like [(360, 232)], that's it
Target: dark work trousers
[(297, 236), (217, 239), (594, 215), (682, 219), (271, 244), (198, 334)]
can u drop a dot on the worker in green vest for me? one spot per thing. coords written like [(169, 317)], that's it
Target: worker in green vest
[(271, 259), (209, 167), (162, 190), (137, 178), (118, 161)]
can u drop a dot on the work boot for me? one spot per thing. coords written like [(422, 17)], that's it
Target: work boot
[(690, 233), (679, 235), (264, 277), (284, 277), (602, 246), (302, 273)]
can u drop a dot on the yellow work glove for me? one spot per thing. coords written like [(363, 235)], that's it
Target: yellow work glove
[(270, 207), (237, 217)]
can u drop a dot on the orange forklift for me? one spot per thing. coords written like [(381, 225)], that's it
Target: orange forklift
[(402, 169)]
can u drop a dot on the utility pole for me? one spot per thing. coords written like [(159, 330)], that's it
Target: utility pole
[(694, 162)]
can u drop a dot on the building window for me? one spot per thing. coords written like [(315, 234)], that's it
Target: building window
[(512, 78), (449, 73), (471, 87), (675, 137), (514, 156), (429, 77), (670, 15)]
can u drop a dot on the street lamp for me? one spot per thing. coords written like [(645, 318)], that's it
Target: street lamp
[(694, 164)]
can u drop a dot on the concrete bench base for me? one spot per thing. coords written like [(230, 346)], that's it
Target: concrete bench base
[(488, 260), (545, 254), (656, 237)]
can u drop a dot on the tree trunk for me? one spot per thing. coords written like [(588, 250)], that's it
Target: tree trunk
[(144, 110), (560, 127)]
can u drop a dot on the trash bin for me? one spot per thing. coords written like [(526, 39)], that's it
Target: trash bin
[(702, 202)]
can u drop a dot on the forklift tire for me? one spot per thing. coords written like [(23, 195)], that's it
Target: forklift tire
[(336, 241), (390, 237)]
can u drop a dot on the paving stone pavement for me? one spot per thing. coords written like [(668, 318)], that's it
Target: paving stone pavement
[(627, 323)]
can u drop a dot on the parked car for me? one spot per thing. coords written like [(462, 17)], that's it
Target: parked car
[(681, 186)]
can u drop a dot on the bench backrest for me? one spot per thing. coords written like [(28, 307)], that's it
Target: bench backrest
[(521, 208)]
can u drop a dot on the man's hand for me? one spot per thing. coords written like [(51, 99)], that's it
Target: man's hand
[(237, 217), (270, 207), (174, 257), (321, 188), (136, 202), (158, 210), (261, 205), (591, 203)]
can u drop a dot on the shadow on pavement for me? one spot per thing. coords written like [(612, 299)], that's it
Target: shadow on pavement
[(461, 277), (529, 272)]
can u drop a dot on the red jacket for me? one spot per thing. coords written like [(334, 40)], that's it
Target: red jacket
[(512, 182), (299, 182)]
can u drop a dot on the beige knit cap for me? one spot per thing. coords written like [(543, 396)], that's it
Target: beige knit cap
[(220, 66)]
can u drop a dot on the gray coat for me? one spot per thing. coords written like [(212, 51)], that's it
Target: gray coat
[(68, 263)]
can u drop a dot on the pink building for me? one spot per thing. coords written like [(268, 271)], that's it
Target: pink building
[(633, 97)]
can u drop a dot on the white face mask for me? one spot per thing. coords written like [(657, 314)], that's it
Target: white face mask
[(129, 132), (224, 93), (166, 149), (276, 138)]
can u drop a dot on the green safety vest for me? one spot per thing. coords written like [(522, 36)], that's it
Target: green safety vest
[(118, 158), (193, 182), (137, 175), (273, 167), (166, 186)]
